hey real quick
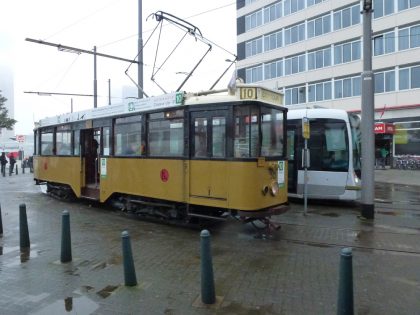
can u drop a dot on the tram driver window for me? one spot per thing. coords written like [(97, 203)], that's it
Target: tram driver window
[(246, 132), (272, 131)]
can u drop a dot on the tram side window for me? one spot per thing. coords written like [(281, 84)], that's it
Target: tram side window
[(166, 134), (246, 131), (272, 130), (47, 138), (63, 142), (127, 136)]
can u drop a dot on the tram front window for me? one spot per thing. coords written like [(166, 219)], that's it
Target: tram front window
[(246, 132), (329, 145), (272, 130)]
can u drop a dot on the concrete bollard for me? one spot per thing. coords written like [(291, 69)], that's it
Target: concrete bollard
[(23, 228), (1, 223), (345, 287), (65, 238), (128, 262), (208, 295)]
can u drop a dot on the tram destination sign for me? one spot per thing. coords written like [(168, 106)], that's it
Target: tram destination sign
[(269, 96), (136, 106)]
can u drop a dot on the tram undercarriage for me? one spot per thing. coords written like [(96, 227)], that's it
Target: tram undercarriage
[(177, 213)]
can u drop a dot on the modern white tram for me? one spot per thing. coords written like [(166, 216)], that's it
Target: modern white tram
[(334, 171)]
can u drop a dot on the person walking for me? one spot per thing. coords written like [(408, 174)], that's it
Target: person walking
[(384, 154), (12, 164), (3, 162)]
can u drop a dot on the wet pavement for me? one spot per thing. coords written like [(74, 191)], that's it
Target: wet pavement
[(294, 272)]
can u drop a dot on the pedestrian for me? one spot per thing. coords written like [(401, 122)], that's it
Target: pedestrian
[(384, 154), (3, 162), (31, 163), (12, 164)]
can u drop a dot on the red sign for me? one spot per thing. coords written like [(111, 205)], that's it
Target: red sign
[(20, 138), (384, 128), (164, 175)]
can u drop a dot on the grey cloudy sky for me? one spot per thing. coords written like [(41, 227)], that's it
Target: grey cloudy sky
[(112, 26)]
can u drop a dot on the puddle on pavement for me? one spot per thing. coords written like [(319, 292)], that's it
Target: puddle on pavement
[(105, 292), (79, 305), (320, 245), (390, 193)]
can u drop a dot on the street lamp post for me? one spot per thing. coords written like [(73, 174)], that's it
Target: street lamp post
[(367, 128)]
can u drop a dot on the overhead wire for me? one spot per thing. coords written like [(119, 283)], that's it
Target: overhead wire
[(149, 30), (81, 19)]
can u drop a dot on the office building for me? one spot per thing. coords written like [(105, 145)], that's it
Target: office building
[(312, 51)]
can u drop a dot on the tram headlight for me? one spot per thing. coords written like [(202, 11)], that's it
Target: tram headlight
[(356, 179), (274, 188)]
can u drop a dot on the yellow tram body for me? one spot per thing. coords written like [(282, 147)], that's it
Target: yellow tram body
[(251, 186)]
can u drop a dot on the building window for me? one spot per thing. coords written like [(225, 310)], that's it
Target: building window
[(292, 6), (273, 70), (385, 81), (295, 95), (294, 34), (294, 64), (254, 74), (382, 8), (273, 41), (409, 78), (313, 2), (406, 4), (319, 91), (409, 37), (253, 20), (319, 58), (272, 12), (253, 47), (347, 87), (347, 52), (384, 43), (319, 26), (346, 17)]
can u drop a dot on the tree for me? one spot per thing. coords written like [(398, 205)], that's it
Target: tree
[(5, 121)]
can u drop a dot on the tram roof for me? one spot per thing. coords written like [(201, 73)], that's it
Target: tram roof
[(242, 92), (317, 113)]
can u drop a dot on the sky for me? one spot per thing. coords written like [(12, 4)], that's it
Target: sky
[(111, 26)]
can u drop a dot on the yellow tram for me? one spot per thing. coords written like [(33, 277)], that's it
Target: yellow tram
[(179, 156)]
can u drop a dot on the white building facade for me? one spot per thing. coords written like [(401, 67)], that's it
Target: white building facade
[(312, 51)]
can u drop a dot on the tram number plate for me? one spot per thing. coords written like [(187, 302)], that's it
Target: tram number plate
[(248, 93)]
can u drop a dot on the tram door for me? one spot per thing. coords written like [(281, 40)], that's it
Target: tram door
[(90, 150), (208, 168), (293, 154)]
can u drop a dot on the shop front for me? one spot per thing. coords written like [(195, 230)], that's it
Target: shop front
[(407, 144), (384, 148)]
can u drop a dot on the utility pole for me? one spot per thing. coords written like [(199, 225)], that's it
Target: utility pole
[(109, 91), (140, 47), (95, 82), (368, 104)]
